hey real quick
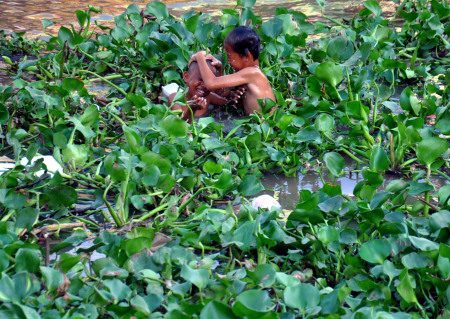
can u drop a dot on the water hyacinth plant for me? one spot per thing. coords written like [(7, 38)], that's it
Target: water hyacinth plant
[(164, 204)]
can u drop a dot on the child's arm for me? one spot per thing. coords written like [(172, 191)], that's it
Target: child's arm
[(216, 99), (212, 82)]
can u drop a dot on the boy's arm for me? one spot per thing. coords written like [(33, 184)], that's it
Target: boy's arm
[(212, 82), (216, 99)]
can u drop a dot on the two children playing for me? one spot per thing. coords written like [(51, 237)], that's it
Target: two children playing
[(208, 86)]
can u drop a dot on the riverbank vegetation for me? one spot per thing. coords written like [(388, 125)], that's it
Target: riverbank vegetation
[(166, 202)]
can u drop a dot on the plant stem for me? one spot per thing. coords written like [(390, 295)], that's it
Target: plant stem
[(426, 209), (152, 212), (110, 209), (104, 79)]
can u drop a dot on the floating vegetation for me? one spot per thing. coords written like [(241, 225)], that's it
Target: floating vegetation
[(167, 203)]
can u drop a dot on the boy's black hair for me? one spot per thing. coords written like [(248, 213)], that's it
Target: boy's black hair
[(244, 40)]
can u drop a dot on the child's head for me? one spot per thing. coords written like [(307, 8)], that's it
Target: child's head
[(194, 81), (244, 40)]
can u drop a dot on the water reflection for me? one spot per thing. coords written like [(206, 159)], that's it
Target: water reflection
[(289, 187)]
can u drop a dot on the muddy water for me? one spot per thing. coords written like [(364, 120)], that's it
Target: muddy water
[(289, 187), (23, 15)]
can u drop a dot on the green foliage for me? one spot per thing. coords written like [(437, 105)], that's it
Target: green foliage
[(371, 255)]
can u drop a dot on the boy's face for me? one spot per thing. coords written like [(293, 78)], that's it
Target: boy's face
[(194, 80), (234, 59)]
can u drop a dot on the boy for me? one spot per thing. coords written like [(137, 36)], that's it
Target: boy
[(198, 96), (242, 47)]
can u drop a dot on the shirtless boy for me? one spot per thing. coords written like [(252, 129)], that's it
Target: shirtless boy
[(242, 46)]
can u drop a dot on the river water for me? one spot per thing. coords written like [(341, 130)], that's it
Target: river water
[(22, 15)]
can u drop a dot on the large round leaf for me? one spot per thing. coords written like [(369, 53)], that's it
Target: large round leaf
[(328, 234), (175, 127), (250, 185), (379, 160), (76, 153), (264, 275), (324, 123), (430, 149), (339, 49), (216, 310), (198, 277), (53, 278), (375, 251), (27, 260), (416, 261), (330, 73), (252, 304), (302, 297), (335, 163)]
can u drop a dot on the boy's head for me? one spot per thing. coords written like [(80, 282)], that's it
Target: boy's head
[(244, 40), (194, 81)]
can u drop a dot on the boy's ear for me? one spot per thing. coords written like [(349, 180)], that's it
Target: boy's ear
[(185, 76)]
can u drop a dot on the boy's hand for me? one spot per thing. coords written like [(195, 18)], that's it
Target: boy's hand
[(237, 94), (200, 102), (195, 55)]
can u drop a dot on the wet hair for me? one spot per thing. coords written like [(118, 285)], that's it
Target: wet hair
[(195, 64), (244, 40)]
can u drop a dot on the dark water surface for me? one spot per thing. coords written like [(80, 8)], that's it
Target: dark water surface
[(21, 15)]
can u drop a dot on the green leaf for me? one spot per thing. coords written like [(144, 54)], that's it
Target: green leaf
[(76, 153), (198, 277), (430, 149), (72, 84), (330, 73), (63, 195), (64, 35), (444, 194), (246, 3), (264, 275), (115, 170), (27, 260), (250, 185), (212, 168), (151, 175), (415, 261), (252, 304), (423, 243), (272, 28), (138, 303), (405, 289), (158, 9), (81, 16), (373, 6), (308, 134), (324, 123), (335, 163), (327, 234), (90, 115), (118, 289), (340, 48), (379, 160), (137, 100), (132, 138), (135, 245), (216, 310), (301, 297), (375, 251), (25, 218), (174, 126), (53, 278)]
